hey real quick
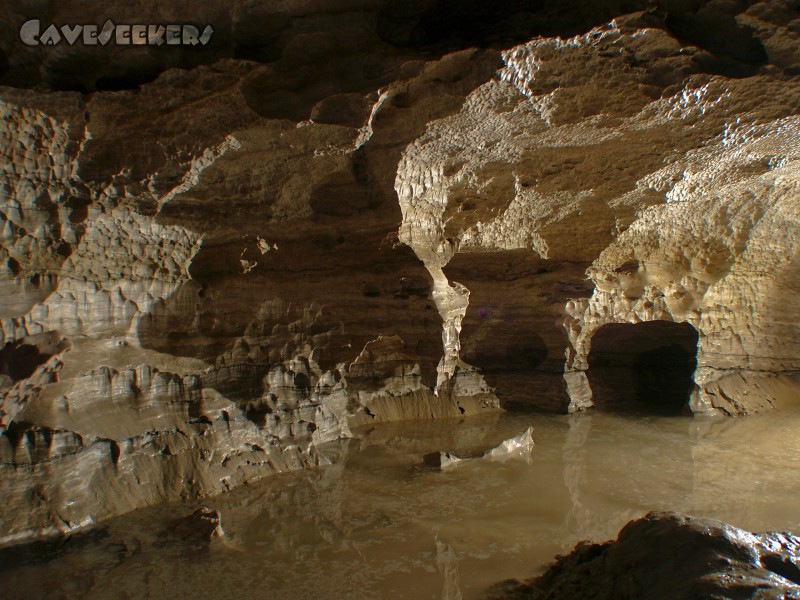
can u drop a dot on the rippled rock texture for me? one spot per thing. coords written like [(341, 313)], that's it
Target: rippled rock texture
[(215, 259), (668, 555), (609, 152)]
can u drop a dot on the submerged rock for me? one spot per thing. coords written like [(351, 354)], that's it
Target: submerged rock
[(202, 526), (441, 460), (669, 555)]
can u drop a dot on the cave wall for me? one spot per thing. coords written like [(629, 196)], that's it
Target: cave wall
[(215, 260), (668, 178)]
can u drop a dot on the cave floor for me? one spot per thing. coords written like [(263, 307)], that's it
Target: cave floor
[(378, 524)]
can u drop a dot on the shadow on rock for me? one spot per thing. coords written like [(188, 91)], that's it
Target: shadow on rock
[(669, 555)]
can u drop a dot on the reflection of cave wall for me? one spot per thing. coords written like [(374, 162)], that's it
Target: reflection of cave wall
[(646, 365)]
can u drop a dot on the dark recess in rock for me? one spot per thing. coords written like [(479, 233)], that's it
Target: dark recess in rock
[(647, 365), (18, 360), (46, 550), (292, 43), (452, 24), (509, 330), (195, 530), (734, 49), (13, 265), (257, 413)]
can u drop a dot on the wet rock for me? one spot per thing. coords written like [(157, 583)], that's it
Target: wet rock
[(441, 460), (669, 555), (519, 446), (404, 234), (202, 526)]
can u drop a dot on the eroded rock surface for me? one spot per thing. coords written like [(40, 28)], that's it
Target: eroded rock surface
[(667, 179), (212, 263), (668, 555), (518, 446)]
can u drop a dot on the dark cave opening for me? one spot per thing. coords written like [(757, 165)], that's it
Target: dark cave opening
[(644, 366)]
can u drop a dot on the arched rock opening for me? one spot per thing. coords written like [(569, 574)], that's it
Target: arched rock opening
[(646, 366)]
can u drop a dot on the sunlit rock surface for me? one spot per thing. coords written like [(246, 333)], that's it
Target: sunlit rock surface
[(668, 555), (335, 214)]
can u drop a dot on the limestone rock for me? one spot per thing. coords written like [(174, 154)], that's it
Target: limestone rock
[(214, 261), (668, 555), (519, 446), (657, 182), (202, 526), (387, 381), (160, 343)]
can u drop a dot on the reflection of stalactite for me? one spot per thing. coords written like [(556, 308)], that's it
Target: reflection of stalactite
[(578, 518), (699, 431), (447, 563)]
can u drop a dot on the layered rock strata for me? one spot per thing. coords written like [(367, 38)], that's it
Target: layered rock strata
[(188, 308), (676, 188), (214, 262)]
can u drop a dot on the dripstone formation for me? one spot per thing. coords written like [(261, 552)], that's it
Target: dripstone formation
[(217, 258)]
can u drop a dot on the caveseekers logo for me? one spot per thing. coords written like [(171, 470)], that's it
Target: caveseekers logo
[(31, 34)]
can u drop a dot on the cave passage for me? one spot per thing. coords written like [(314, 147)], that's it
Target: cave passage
[(643, 366)]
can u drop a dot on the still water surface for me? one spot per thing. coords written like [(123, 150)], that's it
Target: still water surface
[(378, 524)]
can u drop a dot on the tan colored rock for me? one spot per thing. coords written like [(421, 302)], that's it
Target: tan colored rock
[(387, 382), (212, 265), (202, 332), (517, 447), (574, 153)]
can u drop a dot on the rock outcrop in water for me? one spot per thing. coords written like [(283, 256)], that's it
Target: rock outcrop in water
[(333, 214), (668, 555), (518, 446)]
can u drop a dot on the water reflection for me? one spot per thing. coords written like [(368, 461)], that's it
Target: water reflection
[(378, 524)]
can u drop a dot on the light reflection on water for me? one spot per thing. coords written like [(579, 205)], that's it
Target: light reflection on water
[(377, 524)]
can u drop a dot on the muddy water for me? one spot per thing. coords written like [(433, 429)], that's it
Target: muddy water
[(377, 524)]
